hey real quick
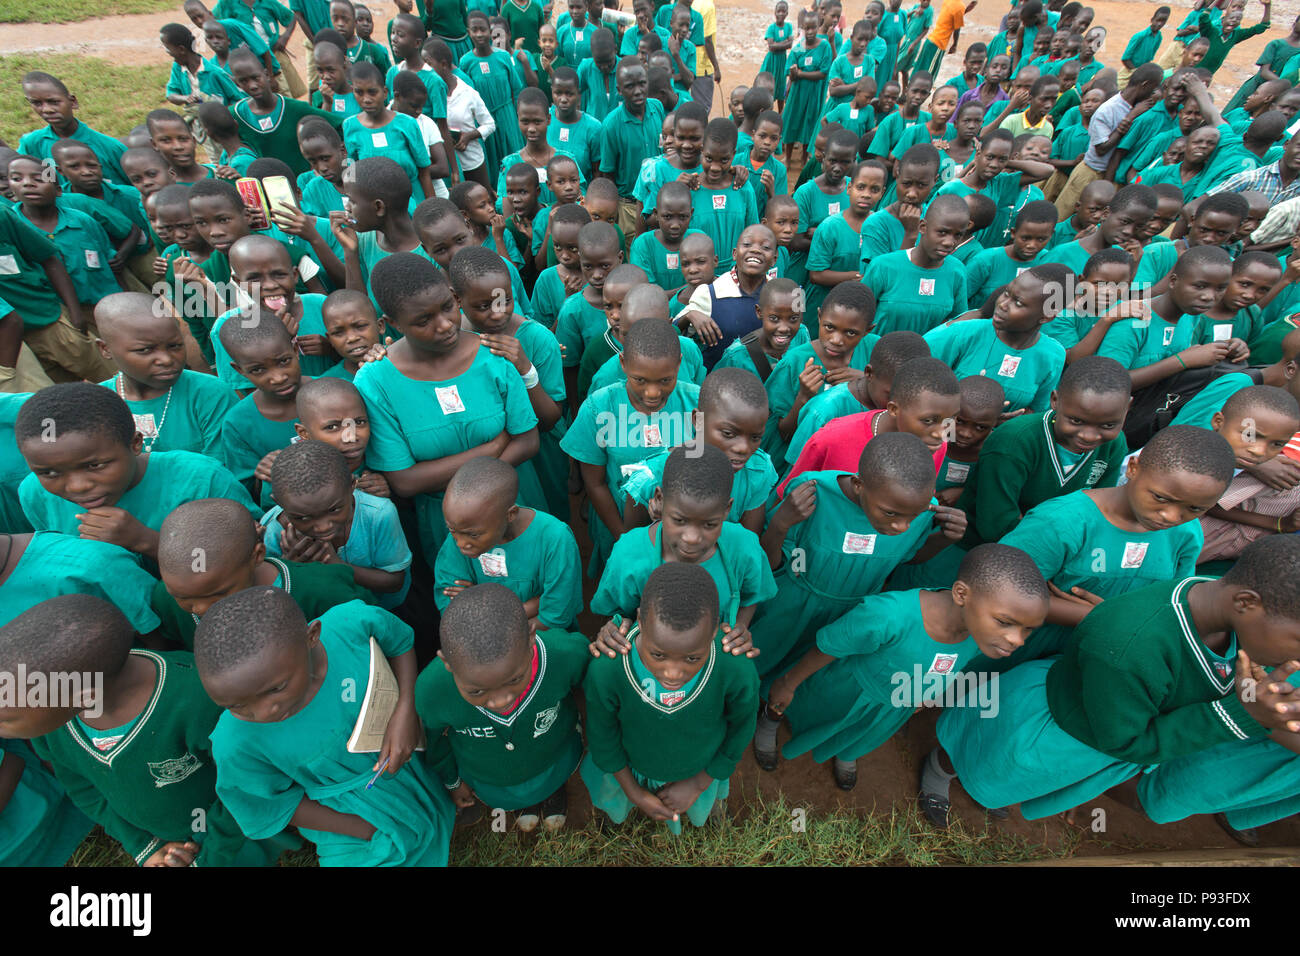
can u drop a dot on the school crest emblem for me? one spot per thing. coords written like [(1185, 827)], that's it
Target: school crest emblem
[(544, 720), (174, 770), (1222, 668), (943, 663), (1098, 469)]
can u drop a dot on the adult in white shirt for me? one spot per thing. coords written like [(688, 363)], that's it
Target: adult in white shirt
[(468, 118)]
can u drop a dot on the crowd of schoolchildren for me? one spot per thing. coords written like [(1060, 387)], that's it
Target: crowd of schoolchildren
[(317, 372)]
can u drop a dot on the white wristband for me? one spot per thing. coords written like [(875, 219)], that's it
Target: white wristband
[(531, 378)]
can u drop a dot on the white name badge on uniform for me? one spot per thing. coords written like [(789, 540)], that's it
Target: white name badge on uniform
[(636, 467), (943, 664), (926, 287), (484, 66), (564, 134), (857, 72), (380, 140), (859, 543), (1135, 553), (449, 399), (671, 260), (92, 259), (9, 266), (1222, 331), (719, 202), (340, 104), (1021, 270), (541, 175), (266, 122), (651, 438), (578, 35), (771, 273), (1009, 365), (146, 425), (493, 563), (853, 112), (958, 472), (833, 208), (807, 61), (1169, 334)]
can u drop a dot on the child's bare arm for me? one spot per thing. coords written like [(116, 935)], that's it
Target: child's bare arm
[(314, 816), (593, 478)]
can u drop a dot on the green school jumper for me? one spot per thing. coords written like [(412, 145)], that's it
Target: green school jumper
[(662, 735), (265, 770), (857, 702), (191, 412), (1074, 545), (541, 563), (751, 486), (738, 567), (1134, 688), (145, 791), (1027, 376), (514, 760), (315, 588), (830, 562)]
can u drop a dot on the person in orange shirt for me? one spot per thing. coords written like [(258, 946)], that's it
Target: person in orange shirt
[(943, 37)]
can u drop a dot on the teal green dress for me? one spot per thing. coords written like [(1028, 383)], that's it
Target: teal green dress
[(804, 103), (751, 486), (837, 247), (885, 667), (13, 466), (774, 63), (1027, 376), (830, 562), (1137, 343), (550, 463), (248, 436), (783, 387), (909, 297), (40, 825), (264, 771), (496, 78), (187, 418), (399, 139), (413, 420)]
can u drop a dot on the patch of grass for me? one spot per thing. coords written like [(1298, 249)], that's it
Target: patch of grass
[(113, 98), (68, 11)]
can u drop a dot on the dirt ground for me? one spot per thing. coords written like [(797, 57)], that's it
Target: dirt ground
[(887, 777)]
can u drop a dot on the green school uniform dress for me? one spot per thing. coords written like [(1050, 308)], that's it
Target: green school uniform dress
[(1200, 408), (13, 467), (213, 83), (830, 562), (514, 760), (1277, 54), (276, 133), (541, 563), (345, 106), (991, 269), (1137, 343), (497, 80), (750, 487), (144, 790), (55, 564), (665, 735), (1003, 189), (311, 323), (610, 432), (1139, 143), (108, 149), (815, 207), (885, 667), (889, 133), (548, 298), (803, 105), (856, 119), (41, 826), (1027, 376), (1142, 47), (1246, 325), (783, 387), (320, 197), (191, 412), (1021, 466), (837, 247), (662, 265), (1074, 545), (170, 478), (315, 588), (399, 140), (882, 234), (611, 371), (545, 196), (375, 540), (736, 355), (578, 323), (265, 770), (248, 436), (654, 174), (847, 72), (738, 567), (580, 139), (775, 63), (912, 298), (723, 214), (1134, 688)]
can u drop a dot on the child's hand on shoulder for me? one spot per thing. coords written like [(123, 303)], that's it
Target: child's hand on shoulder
[(263, 470), (611, 640), (1269, 698), (373, 483), (115, 526), (740, 176), (737, 640), (951, 521), (508, 347), (173, 853)]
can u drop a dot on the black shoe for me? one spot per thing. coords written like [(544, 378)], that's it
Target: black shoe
[(1248, 837), (555, 809), (846, 773), (766, 759), (468, 816), (1001, 813), (934, 808)]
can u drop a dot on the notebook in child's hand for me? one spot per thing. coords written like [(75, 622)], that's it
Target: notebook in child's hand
[(377, 707)]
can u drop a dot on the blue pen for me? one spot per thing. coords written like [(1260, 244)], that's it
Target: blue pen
[(377, 773)]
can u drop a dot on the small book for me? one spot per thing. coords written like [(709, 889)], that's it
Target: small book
[(377, 707)]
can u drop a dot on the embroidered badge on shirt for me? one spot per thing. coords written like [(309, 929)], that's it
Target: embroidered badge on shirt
[(1169, 334), (857, 72), (833, 208), (1098, 469), (1009, 365), (165, 772), (449, 399), (266, 122), (807, 61), (1135, 553), (926, 287), (1222, 331), (544, 720), (719, 202), (493, 563), (958, 472), (379, 139), (853, 112), (484, 67), (146, 425), (340, 104), (859, 543), (943, 664), (671, 260), (670, 697), (541, 175), (578, 36), (651, 438), (564, 134)]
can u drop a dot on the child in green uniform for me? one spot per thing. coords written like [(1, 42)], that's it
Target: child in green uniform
[(840, 353), (491, 539), (667, 723), (582, 318), (909, 113), (135, 758), (836, 251), (149, 353), (331, 410), (1096, 545), (618, 286), (896, 225), (779, 38), (259, 659), (731, 417), (810, 65), (835, 537), (379, 131), (498, 706), (335, 93), (984, 174), (921, 287), (354, 331), (1103, 297), (658, 251), (850, 66), (556, 283), (89, 476), (988, 271), (1148, 677), (322, 147), (694, 500), (1011, 346), (720, 209), (321, 517), (495, 75), (623, 424), (982, 402), (1126, 215), (825, 196), (767, 174), (40, 826), (897, 652), (50, 99), (1143, 46), (782, 327), (171, 136), (1079, 444), (261, 423), (1236, 315), (439, 398), (268, 122)]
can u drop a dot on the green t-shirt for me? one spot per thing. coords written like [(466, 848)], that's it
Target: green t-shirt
[(187, 418), (1027, 376), (912, 298)]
